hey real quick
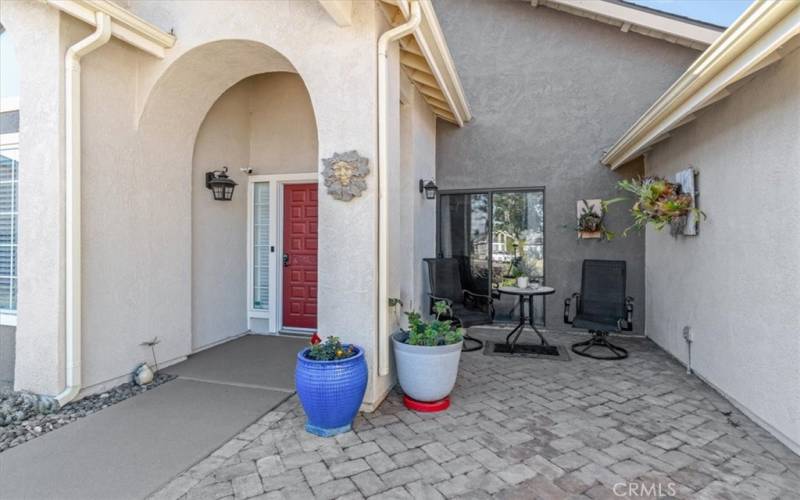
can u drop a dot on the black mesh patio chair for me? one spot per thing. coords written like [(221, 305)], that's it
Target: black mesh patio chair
[(467, 308), (601, 307)]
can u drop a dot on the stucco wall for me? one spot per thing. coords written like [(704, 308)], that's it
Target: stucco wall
[(265, 122), (736, 283), (549, 92), (411, 217), (219, 232), (141, 116), (35, 30), (423, 211), (283, 131)]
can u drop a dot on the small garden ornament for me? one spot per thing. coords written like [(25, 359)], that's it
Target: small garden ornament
[(143, 374)]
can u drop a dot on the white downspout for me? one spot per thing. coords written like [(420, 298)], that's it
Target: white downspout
[(72, 165), (392, 35)]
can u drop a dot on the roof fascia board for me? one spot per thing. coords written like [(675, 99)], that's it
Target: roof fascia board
[(759, 32), (425, 54), (649, 20), (124, 24), (453, 82)]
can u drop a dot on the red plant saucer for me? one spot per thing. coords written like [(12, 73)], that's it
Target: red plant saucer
[(427, 407)]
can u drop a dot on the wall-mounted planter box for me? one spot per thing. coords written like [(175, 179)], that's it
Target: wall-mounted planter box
[(587, 208), (587, 235)]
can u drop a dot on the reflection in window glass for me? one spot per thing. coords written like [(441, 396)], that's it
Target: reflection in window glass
[(464, 235), (517, 246), (496, 236)]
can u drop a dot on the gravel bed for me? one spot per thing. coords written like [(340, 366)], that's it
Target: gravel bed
[(21, 417)]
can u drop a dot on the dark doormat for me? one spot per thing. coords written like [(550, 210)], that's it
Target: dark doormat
[(554, 352)]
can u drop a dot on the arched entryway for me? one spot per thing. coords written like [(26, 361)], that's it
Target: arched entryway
[(263, 130), (242, 105)]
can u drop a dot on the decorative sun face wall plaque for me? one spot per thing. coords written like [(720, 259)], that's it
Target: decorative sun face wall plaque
[(344, 175)]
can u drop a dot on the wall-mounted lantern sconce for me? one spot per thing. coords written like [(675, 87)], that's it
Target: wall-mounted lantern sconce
[(429, 188), (220, 184)]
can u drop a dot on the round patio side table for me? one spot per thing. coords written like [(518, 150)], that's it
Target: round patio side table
[(525, 296)]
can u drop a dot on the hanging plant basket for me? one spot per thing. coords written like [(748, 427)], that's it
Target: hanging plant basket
[(659, 203)]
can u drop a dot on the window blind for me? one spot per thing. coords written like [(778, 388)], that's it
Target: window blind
[(9, 182), (261, 246)]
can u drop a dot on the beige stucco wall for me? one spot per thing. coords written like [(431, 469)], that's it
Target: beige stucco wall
[(412, 217), (219, 238), (265, 122), (141, 116), (283, 130), (414, 224), (736, 284), (35, 31)]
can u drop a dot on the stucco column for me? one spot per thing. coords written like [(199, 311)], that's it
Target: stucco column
[(35, 31)]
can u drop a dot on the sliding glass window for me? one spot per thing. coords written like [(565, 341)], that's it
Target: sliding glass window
[(496, 235)]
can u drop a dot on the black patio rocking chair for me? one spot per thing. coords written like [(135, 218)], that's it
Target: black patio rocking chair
[(467, 308), (601, 307)]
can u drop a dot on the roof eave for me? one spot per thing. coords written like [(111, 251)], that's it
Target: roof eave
[(748, 45), (644, 21), (426, 59), (125, 25)]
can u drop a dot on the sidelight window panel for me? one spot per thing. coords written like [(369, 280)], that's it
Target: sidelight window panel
[(261, 246)]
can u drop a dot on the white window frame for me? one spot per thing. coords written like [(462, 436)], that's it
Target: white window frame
[(11, 141), (274, 312)]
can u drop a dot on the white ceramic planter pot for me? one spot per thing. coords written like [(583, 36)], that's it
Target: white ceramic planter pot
[(523, 282), (426, 373)]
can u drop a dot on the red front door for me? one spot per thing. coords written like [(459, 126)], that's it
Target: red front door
[(300, 255)]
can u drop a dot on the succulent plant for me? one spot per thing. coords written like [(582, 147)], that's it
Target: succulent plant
[(659, 202)]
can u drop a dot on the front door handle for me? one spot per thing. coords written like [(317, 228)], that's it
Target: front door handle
[(285, 260)]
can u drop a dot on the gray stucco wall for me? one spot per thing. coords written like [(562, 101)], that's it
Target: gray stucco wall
[(550, 91), (736, 283)]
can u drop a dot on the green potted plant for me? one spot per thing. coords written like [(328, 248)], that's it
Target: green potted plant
[(427, 355), (517, 273)]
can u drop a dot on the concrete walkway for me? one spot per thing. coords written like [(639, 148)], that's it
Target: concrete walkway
[(133, 448)]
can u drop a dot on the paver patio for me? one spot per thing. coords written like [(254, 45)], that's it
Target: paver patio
[(517, 428)]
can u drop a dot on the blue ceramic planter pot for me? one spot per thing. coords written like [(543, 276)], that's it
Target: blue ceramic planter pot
[(331, 391)]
